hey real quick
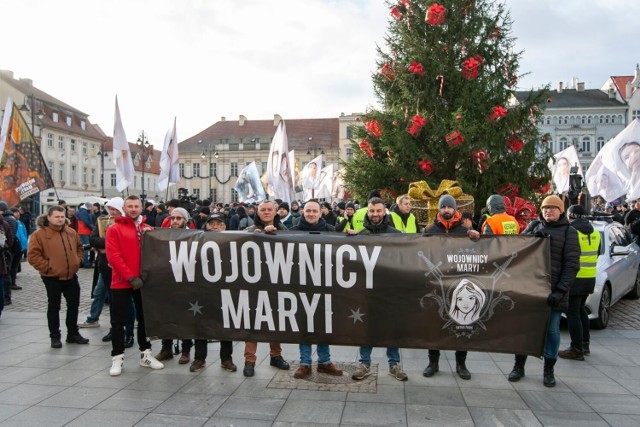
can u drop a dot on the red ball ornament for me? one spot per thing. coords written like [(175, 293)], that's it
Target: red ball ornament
[(458, 116), (401, 179), (395, 122), (426, 166), (549, 100)]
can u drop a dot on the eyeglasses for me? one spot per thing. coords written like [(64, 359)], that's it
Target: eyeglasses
[(176, 218)]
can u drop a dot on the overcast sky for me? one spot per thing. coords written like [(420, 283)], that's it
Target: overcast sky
[(203, 59)]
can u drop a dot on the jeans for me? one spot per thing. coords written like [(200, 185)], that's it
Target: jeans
[(84, 239), (393, 354), (99, 295), (578, 321), (56, 288), (120, 300), (552, 343), (226, 350), (324, 356)]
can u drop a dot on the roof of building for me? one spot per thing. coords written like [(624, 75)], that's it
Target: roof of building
[(621, 84), (324, 133), (572, 98), (49, 104)]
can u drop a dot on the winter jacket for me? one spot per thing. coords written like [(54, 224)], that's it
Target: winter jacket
[(583, 285), (123, 242), (406, 223), (384, 227), (86, 221), (442, 226), (4, 268), (565, 254), (321, 225), (22, 236), (55, 253), (258, 224)]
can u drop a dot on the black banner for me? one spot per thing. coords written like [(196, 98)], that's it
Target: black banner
[(407, 291)]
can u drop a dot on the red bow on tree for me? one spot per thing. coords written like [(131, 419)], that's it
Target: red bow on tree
[(416, 68), (470, 68), (454, 138), (364, 146), (426, 166), (387, 72), (522, 210), (497, 112), (373, 127), (509, 190), (515, 145), (435, 14), (416, 124)]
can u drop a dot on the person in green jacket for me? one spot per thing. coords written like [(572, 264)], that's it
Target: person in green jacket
[(401, 215)]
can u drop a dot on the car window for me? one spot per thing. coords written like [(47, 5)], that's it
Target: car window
[(602, 239), (618, 236)]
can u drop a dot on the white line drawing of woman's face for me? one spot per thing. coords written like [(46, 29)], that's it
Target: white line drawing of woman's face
[(562, 168), (466, 303), (313, 171)]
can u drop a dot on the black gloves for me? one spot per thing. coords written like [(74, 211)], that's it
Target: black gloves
[(136, 282), (554, 298)]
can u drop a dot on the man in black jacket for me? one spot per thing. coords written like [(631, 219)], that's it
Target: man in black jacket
[(565, 263), (577, 318), (448, 221)]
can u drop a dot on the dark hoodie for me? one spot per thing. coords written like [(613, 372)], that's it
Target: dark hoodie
[(384, 226), (583, 285)]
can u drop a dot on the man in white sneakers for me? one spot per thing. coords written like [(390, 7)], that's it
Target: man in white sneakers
[(123, 243)]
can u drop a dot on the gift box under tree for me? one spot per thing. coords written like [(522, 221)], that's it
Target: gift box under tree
[(425, 200)]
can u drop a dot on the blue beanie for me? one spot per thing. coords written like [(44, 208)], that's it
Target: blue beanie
[(447, 200)]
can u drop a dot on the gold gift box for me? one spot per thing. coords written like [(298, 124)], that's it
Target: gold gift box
[(425, 200)]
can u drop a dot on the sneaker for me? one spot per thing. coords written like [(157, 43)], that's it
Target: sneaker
[(303, 371), (397, 373), (77, 339), (362, 372), (128, 341), (197, 365), (88, 324), (165, 354), (279, 363), (330, 369), (116, 365), (148, 361), (249, 369), (184, 358), (228, 365)]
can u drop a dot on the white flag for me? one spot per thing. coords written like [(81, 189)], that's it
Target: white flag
[(622, 156), (310, 176), (169, 166), (279, 177), (248, 185), (603, 182), (560, 167), (4, 130), (325, 185), (121, 154)]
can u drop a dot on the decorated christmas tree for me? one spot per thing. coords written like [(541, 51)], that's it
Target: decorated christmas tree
[(445, 85)]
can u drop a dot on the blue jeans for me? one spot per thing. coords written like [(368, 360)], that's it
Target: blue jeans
[(552, 343), (99, 295), (85, 241), (324, 356), (393, 354)]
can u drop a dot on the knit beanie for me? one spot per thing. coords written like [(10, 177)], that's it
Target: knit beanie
[(183, 212), (553, 201), (447, 200), (495, 204)]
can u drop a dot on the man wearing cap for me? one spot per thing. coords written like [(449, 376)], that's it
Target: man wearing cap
[(499, 221), (376, 222), (343, 224), (565, 264), (585, 283), (56, 252), (285, 216), (179, 220), (215, 223), (448, 221), (266, 221), (402, 217)]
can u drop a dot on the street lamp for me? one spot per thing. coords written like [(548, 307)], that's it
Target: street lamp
[(314, 148), (143, 144), (204, 156), (35, 200), (102, 154)]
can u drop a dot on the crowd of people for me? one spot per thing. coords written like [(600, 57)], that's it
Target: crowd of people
[(108, 239)]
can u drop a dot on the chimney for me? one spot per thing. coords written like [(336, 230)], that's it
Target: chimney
[(559, 87), (628, 90), (223, 119), (7, 74), (27, 81), (277, 118), (580, 87), (241, 120)]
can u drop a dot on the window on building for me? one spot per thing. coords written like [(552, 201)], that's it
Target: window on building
[(585, 147), (61, 142), (50, 167), (234, 169), (84, 175), (550, 144), (83, 125), (93, 177), (601, 119), (73, 174), (61, 172), (564, 142), (349, 132), (50, 140), (599, 143), (113, 179), (72, 144), (613, 119), (589, 119), (212, 169), (547, 120), (55, 117), (196, 192), (84, 148), (234, 196), (607, 119), (583, 120), (68, 120), (635, 114), (196, 169), (349, 154), (181, 167), (212, 195)]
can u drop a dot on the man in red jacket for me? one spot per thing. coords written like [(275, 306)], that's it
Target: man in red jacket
[(123, 243)]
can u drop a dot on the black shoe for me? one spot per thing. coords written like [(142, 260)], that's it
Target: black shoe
[(16, 288), (7, 302), (585, 348), (107, 337), (77, 339), (128, 341), (548, 378), (516, 374), (279, 363), (249, 369), (430, 370), (462, 371), (55, 342)]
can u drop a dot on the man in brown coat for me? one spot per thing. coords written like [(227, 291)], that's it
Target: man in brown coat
[(56, 252)]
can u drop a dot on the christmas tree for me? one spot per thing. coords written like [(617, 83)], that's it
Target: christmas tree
[(445, 83)]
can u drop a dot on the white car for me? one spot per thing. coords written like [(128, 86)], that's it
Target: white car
[(618, 271)]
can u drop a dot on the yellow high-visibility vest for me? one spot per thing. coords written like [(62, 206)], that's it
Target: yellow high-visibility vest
[(589, 245)]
